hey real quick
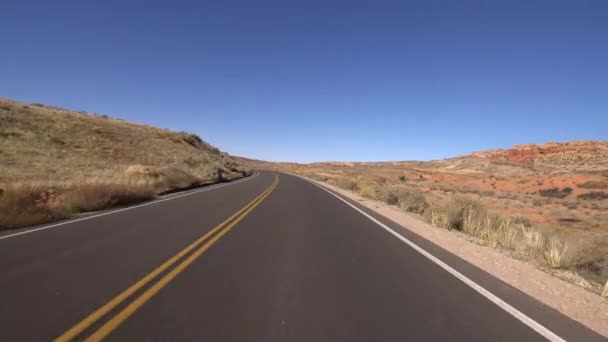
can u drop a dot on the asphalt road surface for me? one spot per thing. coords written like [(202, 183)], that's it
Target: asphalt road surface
[(267, 258)]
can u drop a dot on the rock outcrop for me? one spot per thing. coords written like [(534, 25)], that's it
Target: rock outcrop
[(527, 152)]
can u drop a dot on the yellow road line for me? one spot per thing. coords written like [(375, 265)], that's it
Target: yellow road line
[(99, 313), (122, 316)]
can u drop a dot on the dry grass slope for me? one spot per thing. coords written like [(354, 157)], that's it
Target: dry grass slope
[(55, 162)]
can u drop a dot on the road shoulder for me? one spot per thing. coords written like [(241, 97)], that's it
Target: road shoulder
[(568, 299)]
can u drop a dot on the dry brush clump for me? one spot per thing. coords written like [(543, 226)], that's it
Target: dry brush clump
[(594, 185), (594, 196), (555, 192), (508, 233)]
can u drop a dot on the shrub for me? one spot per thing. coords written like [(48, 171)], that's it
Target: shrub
[(367, 190), (555, 254), (593, 195), (191, 139), (538, 202), (594, 185), (411, 201), (402, 178), (555, 192), (389, 196), (316, 177), (346, 184)]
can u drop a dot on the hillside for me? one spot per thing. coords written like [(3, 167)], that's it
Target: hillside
[(559, 157), (55, 162)]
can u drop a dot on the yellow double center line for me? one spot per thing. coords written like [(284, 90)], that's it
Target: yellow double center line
[(202, 244)]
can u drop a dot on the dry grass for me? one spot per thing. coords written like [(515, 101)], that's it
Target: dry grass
[(56, 162), (555, 253), (605, 292), (27, 204)]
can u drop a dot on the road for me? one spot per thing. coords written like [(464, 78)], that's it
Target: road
[(269, 258)]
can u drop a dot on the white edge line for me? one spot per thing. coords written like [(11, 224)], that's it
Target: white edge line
[(548, 334), (212, 187)]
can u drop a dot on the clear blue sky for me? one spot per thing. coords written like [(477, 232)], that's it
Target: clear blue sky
[(321, 80)]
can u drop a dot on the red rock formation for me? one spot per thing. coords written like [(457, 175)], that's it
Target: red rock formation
[(523, 153)]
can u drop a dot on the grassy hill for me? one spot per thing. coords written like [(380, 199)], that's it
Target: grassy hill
[(55, 162)]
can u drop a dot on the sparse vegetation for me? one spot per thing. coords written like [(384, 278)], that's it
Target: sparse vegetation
[(594, 185), (346, 183), (555, 254), (555, 192), (593, 195), (527, 208), (517, 235), (56, 163)]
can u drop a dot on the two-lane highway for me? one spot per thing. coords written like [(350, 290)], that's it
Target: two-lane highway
[(270, 258)]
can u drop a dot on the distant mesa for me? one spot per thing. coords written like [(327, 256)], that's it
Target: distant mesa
[(528, 152)]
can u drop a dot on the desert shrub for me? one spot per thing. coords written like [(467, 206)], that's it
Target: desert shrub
[(402, 178), (555, 254), (388, 195), (412, 201), (367, 190), (317, 177), (514, 234), (346, 183), (593, 195), (555, 192), (594, 185)]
